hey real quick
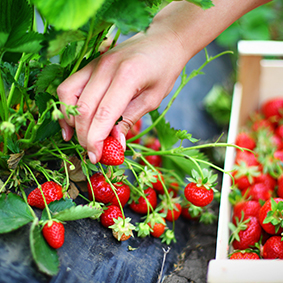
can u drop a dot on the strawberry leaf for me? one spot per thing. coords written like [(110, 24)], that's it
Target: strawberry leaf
[(46, 258), (77, 212), (57, 206), (67, 15), (14, 213)]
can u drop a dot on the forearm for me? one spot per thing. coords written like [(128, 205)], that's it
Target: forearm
[(194, 28)]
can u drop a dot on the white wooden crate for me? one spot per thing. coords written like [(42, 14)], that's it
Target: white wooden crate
[(260, 77)]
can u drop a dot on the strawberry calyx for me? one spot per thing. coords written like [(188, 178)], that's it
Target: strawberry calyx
[(207, 217), (243, 170), (168, 236), (206, 179), (143, 229), (275, 215), (99, 207), (122, 227), (241, 225)]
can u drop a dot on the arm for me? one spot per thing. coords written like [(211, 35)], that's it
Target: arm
[(133, 78)]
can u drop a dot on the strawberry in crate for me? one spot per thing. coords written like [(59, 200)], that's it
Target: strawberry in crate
[(256, 194)]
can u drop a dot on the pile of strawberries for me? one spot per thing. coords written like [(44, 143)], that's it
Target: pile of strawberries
[(257, 192), (156, 197)]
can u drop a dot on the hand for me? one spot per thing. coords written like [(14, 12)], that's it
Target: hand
[(129, 81)]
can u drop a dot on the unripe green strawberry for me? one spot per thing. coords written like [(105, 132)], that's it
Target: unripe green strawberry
[(54, 234), (112, 152), (51, 191)]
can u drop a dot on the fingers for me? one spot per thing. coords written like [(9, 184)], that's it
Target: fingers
[(114, 102), (69, 92)]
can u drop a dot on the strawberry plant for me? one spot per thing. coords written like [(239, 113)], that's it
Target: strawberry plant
[(256, 225), (33, 63)]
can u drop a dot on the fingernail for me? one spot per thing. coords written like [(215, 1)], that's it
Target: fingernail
[(92, 157), (123, 141), (64, 134)]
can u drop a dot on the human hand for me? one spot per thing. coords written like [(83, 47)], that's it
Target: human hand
[(129, 81)]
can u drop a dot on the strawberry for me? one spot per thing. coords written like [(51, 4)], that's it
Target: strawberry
[(270, 216), (258, 191), (157, 227), (99, 187), (273, 108), (190, 211), (135, 130), (280, 186), (171, 208), (122, 229), (198, 195), (244, 255), (248, 157), (279, 131), (112, 152), (54, 234), (123, 191), (173, 189), (244, 175), (107, 217), (141, 205), (262, 124), (153, 143), (278, 154), (245, 140), (51, 191), (267, 179), (273, 248), (249, 208), (245, 233), (158, 185)]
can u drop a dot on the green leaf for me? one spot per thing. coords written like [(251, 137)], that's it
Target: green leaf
[(14, 213), (41, 100), (47, 129), (204, 4), (48, 75), (128, 15), (63, 39), (57, 206), (67, 15), (46, 258), (15, 21), (166, 135), (76, 212)]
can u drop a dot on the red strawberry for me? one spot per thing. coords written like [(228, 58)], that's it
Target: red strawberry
[(248, 231), (158, 185), (258, 191), (173, 189), (273, 248), (244, 175), (112, 212), (172, 214), (157, 229), (273, 108), (267, 179), (101, 189), (248, 157), (134, 131), (54, 234), (244, 255), (112, 152), (278, 154), (141, 205), (123, 237), (249, 208), (153, 143), (191, 212), (123, 191), (198, 195), (245, 140), (262, 124), (266, 209), (51, 191), (280, 187)]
